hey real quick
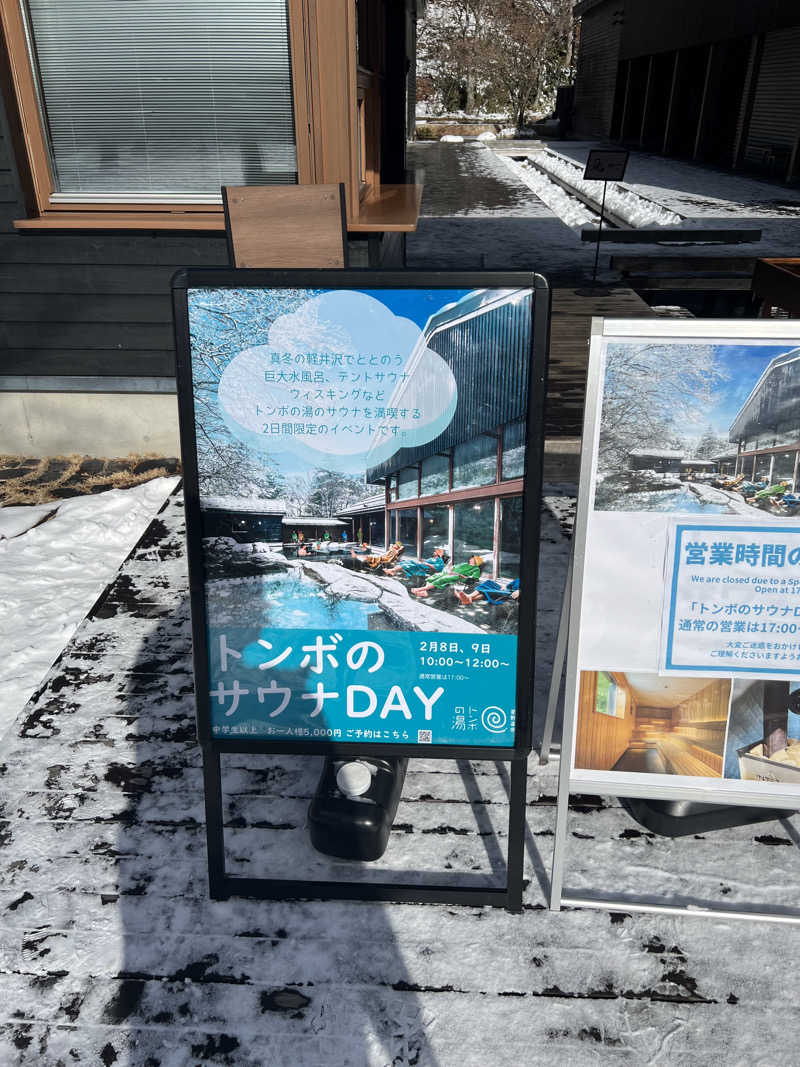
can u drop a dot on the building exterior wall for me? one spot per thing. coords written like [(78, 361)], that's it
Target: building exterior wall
[(652, 26), (97, 303), (463, 490), (774, 126), (767, 428), (712, 81), (596, 77), (93, 424)]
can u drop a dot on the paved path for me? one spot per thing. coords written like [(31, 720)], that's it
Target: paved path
[(111, 952), (477, 214)]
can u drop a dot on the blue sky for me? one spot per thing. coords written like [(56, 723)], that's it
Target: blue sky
[(744, 365), (416, 304)]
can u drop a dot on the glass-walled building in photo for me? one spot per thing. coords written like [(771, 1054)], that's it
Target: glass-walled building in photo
[(767, 428), (463, 491)]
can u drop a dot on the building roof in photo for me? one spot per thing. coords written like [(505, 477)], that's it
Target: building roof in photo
[(310, 520), (655, 453), (252, 505), (376, 502)]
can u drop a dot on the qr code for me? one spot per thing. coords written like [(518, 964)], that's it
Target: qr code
[(424, 737)]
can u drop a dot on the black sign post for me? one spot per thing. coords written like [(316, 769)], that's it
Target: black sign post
[(319, 649), (605, 165)]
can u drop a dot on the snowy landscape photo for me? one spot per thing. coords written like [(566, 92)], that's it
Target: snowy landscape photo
[(699, 427), (361, 475)]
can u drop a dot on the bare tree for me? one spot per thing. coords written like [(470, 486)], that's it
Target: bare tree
[(527, 52), (496, 52), (449, 42), (654, 397), (333, 491), (223, 323)]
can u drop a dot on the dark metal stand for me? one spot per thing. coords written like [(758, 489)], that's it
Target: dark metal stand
[(599, 232), (222, 885)]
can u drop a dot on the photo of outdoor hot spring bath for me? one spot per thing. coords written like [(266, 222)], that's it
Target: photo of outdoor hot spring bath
[(700, 428), (357, 468)]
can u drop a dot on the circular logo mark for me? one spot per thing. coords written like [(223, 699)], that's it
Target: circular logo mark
[(494, 719)]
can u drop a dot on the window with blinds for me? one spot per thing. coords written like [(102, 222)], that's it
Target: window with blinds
[(166, 99)]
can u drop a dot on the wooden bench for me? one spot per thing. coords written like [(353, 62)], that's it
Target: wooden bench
[(681, 758)]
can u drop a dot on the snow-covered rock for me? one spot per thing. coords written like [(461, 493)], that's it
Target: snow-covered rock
[(228, 558), (342, 583), (410, 614), (384, 583), (487, 135), (404, 610), (264, 551), (734, 501), (452, 138)]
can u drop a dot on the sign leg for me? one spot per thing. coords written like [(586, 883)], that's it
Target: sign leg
[(560, 836), (516, 834), (215, 843), (558, 669), (599, 231)]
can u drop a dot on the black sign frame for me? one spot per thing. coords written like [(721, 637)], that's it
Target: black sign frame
[(619, 156), (223, 885)]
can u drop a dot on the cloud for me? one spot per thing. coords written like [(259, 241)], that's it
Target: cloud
[(353, 375)]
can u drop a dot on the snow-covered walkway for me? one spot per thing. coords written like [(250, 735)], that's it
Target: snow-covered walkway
[(112, 953), (477, 211)]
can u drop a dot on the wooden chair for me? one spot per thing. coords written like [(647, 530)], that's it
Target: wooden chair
[(285, 226)]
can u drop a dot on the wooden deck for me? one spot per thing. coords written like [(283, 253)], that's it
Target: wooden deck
[(571, 325)]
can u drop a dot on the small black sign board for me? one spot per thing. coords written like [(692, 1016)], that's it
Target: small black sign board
[(392, 624), (606, 165)]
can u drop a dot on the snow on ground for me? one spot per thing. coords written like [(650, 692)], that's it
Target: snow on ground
[(111, 951), (469, 179), (697, 191), (569, 209), (705, 196), (477, 212), (53, 572), (628, 204)]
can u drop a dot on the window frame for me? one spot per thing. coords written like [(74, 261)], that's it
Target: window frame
[(318, 30), (615, 689)]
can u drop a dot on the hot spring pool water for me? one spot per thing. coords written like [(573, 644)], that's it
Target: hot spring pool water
[(676, 500), (283, 599)]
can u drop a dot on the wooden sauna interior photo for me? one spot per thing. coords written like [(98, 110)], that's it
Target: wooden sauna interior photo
[(644, 723)]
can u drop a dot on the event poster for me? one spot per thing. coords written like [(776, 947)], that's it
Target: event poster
[(688, 621), (361, 460)]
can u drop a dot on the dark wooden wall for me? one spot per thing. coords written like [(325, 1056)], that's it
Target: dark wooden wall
[(651, 26), (598, 56), (87, 303)]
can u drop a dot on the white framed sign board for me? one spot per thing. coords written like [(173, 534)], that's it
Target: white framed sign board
[(683, 661)]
